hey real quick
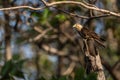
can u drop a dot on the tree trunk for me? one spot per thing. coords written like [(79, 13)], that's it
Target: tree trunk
[(60, 66), (92, 59), (8, 53)]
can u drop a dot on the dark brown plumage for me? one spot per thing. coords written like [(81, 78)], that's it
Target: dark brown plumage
[(85, 33)]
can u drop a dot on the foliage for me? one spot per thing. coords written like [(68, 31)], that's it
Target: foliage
[(59, 42), (12, 68), (79, 75)]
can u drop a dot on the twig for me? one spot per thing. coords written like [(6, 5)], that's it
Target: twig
[(56, 52), (85, 6), (71, 14), (70, 69), (52, 50), (21, 7), (99, 16), (38, 29), (40, 35), (44, 2)]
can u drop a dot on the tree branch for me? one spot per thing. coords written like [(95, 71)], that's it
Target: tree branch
[(91, 7), (70, 68), (85, 6), (22, 7)]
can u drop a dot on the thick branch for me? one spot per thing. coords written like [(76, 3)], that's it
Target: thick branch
[(92, 59)]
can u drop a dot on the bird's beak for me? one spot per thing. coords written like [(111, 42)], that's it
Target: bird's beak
[(74, 25)]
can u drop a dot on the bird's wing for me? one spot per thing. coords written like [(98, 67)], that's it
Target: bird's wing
[(85, 31), (92, 34), (96, 36)]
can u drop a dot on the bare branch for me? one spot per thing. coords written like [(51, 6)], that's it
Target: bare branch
[(70, 69), (38, 29), (91, 7), (99, 16), (71, 14), (85, 6), (21, 7), (45, 3), (56, 52), (53, 50), (40, 35)]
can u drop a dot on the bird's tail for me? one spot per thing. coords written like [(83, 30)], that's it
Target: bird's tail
[(99, 43), (102, 39)]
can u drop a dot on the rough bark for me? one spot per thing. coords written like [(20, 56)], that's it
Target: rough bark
[(92, 59)]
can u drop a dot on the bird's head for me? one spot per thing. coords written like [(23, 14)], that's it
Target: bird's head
[(77, 26)]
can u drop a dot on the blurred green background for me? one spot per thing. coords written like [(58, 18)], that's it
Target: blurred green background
[(42, 45)]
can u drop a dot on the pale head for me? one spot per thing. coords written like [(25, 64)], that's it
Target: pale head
[(77, 26)]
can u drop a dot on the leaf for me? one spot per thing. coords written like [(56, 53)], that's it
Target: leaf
[(12, 68), (92, 76), (16, 57), (53, 78), (61, 17), (80, 74), (45, 16), (42, 78), (45, 13), (6, 68), (1, 48), (63, 78)]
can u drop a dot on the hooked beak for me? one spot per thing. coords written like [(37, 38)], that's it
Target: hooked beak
[(74, 25)]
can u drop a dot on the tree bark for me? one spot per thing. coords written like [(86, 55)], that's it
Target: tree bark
[(92, 59), (60, 66), (8, 53)]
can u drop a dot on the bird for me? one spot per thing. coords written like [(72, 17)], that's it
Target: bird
[(86, 33)]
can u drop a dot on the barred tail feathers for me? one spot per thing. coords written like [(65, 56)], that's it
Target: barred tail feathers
[(100, 43)]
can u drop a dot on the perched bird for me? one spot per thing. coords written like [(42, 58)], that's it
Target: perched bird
[(85, 33)]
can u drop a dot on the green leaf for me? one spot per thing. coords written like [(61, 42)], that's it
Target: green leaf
[(6, 68), (42, 78), (16, 56), (12, 68), (92, 76), (19, 40), (80, 74), (63, 78), (1, 48), (45, 13), (61, 17), (53, 78), (45, 16)]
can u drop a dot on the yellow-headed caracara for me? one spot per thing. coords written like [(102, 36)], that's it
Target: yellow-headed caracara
[(85, 33)]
